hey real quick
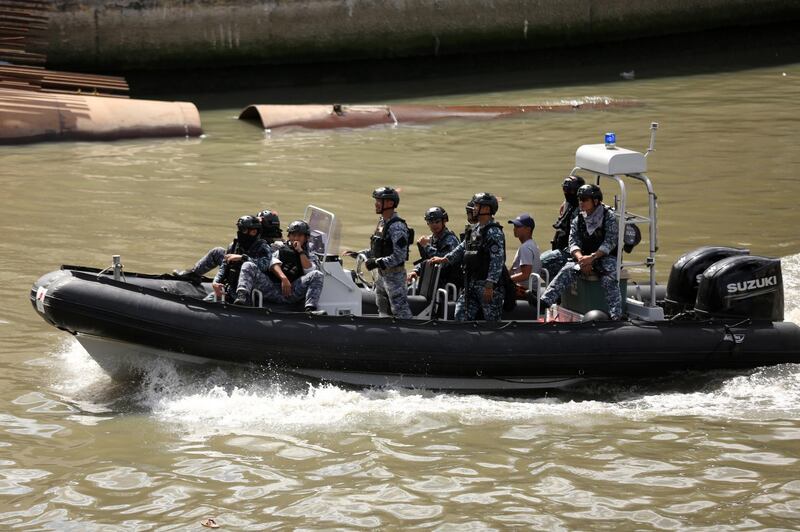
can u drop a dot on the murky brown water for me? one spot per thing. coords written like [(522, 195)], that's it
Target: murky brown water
[(81, 452)]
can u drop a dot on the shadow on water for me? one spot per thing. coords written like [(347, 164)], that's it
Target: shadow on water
[(722, 50)]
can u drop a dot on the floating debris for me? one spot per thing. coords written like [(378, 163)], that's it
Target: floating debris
[(209, 522), (358, 116)]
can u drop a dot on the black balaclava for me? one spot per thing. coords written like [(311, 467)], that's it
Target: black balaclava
[(245, 240)]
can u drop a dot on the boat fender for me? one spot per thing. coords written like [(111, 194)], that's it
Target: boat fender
[(595, 315)]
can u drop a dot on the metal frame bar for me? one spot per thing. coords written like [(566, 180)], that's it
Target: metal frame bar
[(652, 220)]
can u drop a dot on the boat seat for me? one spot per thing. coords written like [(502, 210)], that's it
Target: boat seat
[(587, 294), (369, 306)]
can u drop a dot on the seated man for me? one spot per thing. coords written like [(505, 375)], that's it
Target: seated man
[(246, 248), (270, 226), (270, 230), (292, 275), (593, 247), (439, 243), (555, 259), (526, 260)]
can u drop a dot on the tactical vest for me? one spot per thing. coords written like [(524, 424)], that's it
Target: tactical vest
[(381, 244), (450, 274), (562, 225), (476, 251), (290, 264), (592, 243), (233, 269)]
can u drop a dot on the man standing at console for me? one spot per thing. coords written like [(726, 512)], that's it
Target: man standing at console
[(388, 253), (483, 253)]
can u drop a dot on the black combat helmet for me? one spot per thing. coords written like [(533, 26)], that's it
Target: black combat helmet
[(436, 213), (270, 224), (485, 198), (572, 183), (590, 191), (298, 226), (247, 222), (386, 193)]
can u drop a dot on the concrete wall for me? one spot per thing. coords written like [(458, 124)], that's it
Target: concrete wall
[(120, 35)]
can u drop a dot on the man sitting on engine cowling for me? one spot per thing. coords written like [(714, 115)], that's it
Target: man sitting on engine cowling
[(246, 248), (483, 253), (292, 275), (593, 248)]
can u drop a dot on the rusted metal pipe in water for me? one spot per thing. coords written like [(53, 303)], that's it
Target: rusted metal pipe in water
[(27, 116), (357, 116)]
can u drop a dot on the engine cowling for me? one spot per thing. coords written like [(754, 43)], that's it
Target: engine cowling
[(741, 287), (686, 273)]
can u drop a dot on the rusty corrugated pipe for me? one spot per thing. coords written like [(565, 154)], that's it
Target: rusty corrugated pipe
[(27, 116)]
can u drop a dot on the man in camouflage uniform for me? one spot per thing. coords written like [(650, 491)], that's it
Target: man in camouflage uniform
[(483, 253), (593, 248), (439, 243), (388, 253), (557, 257), (270, 230), (292, 275), (246, 248)]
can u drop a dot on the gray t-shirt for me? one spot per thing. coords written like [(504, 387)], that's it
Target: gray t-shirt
[(528, 253)]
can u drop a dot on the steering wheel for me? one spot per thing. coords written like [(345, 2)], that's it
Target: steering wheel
[(364, 276)]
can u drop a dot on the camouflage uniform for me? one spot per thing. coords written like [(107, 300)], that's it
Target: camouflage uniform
[(470, 301), (307, 287), (258, 255), (555, 259), (605, 266), (212, 259), (391, 293), (439, 247), (215, 257)]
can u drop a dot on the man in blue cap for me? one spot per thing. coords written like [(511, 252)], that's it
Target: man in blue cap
[(527, 259)]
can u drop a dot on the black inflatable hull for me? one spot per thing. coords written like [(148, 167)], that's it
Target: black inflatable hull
[(166, 318)]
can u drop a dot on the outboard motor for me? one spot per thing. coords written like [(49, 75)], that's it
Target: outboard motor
[(742, 287), (687, 272)]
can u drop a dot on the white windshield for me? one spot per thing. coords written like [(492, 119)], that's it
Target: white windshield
[(325, 234)]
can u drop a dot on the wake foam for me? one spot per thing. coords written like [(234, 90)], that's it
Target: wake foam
[(239, 401), (790, 267)]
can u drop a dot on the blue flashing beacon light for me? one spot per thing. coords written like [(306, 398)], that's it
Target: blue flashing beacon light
[(611, 140)]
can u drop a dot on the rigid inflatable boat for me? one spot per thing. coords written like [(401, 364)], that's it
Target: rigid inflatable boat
[(722, 309)]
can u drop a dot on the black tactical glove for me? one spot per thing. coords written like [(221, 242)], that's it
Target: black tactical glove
[(371, 264)]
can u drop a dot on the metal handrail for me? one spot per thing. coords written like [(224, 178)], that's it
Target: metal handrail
[(445, 303)]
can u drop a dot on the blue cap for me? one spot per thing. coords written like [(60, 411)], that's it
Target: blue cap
[(523, 220)]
